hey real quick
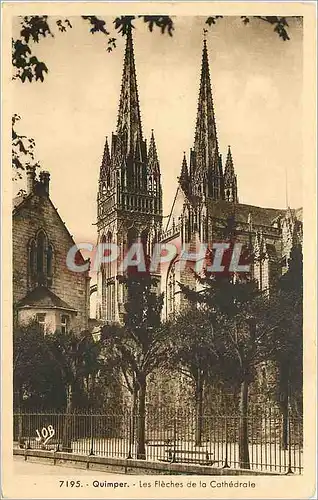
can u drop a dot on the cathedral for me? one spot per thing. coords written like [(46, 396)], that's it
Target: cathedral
[(129, 201)]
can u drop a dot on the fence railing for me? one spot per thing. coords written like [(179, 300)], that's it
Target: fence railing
[(275, 444)]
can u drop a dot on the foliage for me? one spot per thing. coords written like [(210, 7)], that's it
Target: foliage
[(37, 382), (233, 308), (279, 24), (140, 345), (28, 68), (23, 156), (46, 365), (194, 344), (285, 320), (35, 28), (75, 355)]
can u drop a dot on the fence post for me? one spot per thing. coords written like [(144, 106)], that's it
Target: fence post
[(130, 437), (58, 432), (289, 471), (226, 465), (91, 453), (174, 438), (29, 432)]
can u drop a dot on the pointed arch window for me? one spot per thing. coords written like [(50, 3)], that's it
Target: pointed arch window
[(40, 260), (49, 264), (32, 260), (171, 291)]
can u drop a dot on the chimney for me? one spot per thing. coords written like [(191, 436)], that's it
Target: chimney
[(30, 175), (45, 181)]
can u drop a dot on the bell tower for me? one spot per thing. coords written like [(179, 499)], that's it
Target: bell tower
[(129, 200)]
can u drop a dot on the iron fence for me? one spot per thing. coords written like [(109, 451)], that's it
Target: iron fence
[(274, 442)]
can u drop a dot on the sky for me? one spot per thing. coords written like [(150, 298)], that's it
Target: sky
[(257, 90)]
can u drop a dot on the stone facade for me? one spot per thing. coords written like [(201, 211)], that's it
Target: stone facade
[(43, 286)]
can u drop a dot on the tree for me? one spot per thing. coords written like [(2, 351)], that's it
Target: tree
[(140, 345), (23, 156), (36, 381), (236, 307), (77, 357), (195, 354), (284, 322)]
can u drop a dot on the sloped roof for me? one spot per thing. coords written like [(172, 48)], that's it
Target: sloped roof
[(260, 216), (176, 208), (42, 297), (22, 201), (18, 200)]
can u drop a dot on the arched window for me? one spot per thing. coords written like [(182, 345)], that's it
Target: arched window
[(49, 264), (109, 264), (32, 261), (40, 258), (40, 261), (171, 290)]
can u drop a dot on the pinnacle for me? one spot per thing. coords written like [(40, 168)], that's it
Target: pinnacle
[(184, 169)]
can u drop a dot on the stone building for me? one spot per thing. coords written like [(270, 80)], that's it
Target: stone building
[(44, 288), (129, 201)]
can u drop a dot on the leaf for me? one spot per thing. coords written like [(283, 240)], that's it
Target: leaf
[(21, 49), (98, 24), (39, 69), (165, 23), (123, 24), (212, 20)]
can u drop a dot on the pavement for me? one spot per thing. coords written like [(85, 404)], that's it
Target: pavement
[(22, 467)]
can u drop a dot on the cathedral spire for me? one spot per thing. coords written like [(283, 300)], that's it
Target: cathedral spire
[(205, 170), (230, 180), (129, 122)]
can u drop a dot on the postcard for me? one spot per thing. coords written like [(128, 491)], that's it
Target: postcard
[(159, 250)]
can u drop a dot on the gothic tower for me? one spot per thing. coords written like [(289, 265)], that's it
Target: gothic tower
[(129, 200)]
